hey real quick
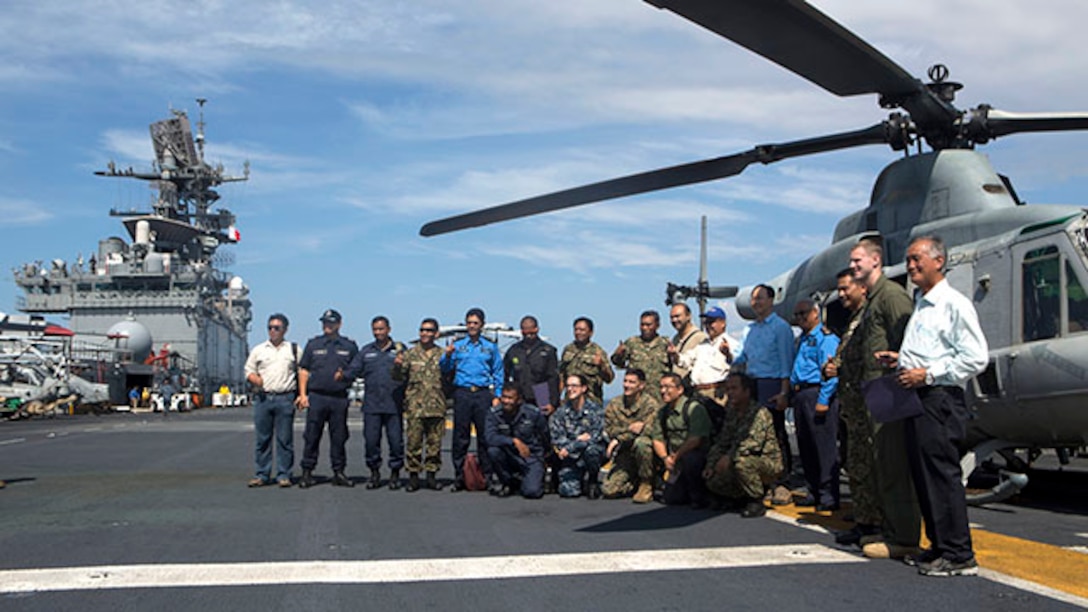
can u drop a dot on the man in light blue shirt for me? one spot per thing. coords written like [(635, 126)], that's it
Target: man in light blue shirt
[(477, 380), (815, 411), (768, 358)]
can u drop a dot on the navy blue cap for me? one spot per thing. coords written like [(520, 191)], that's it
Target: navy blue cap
[(330, 316)]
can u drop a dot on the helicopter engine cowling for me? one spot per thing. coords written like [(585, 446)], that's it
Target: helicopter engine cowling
[(744, 303)]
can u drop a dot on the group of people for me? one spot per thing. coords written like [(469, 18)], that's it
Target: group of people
[(699, 422)]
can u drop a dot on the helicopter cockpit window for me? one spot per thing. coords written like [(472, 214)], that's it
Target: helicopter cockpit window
[(1076, 301), (1042, 294)]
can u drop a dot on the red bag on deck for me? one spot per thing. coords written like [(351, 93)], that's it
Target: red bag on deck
[(474, 476)]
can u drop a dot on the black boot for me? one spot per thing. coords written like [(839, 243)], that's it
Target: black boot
[(394, 480), (306, 480), (375, 479), (340, 480), (432, 482), (413, 482), (593, 486)]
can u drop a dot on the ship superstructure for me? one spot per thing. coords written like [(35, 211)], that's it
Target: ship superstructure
[(165, 276)]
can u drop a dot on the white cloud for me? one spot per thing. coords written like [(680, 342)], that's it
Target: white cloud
[(14, 212)]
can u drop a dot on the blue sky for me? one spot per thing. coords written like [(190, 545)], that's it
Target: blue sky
[(363, 120)]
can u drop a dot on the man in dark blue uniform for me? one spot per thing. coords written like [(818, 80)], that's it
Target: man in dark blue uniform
[(383, 402), (517, 435), (477, 380), (323, 393)]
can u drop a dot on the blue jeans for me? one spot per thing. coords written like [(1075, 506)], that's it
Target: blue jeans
[(274, 415)]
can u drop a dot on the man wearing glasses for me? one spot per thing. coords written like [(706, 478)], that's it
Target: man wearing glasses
[(815, 410), (681, 434), (477, 380), (424, 405), (323, 393), (272, 369)]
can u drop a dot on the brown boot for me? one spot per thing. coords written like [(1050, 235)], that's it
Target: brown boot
[(645, 493)]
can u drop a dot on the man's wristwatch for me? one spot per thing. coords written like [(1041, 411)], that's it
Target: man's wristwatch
[(929, 378)]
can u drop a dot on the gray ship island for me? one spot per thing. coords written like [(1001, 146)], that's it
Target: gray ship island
[(155, 311)]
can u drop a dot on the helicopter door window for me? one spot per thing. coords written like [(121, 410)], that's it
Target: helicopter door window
[(1076, 301), (1042, 294)]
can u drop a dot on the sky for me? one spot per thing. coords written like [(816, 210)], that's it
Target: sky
[(362, 120)]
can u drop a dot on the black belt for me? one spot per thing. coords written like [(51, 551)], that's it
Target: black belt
[(336, 394), (291, 392), (805, 385), (474, 389)]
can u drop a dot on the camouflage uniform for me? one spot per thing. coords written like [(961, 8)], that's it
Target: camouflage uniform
[(859, 426), (748, 438), (651, 357), (424, 406), (580, 360), (633, 461), (585, 457), (883, 324)]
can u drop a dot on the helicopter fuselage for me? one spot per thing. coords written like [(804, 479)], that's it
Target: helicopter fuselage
[(1025, 268)]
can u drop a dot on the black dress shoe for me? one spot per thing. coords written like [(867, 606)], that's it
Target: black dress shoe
[(413, 483), (375, 479), (806, 501), (306, 480), (850, 537), (458, 485), (340, 480), (394, 480), (594, 491), (753, 509), (832, 507)]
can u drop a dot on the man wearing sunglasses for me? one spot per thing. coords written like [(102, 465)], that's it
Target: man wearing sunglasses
[(424, 404), (272, 368)]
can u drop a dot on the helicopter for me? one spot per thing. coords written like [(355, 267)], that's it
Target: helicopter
[(1025, 267)]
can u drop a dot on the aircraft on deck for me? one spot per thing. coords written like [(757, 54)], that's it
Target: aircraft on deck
[(1025, 267)]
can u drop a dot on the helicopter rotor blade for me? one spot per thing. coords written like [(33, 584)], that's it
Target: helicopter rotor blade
[(987, 123), (722, 292), (801, 39), (893, 131)]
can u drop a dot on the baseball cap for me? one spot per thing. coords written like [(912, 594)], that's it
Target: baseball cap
[(330, 316), (714, 313)]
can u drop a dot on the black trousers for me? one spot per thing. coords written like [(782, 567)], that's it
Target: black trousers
[(766, 388), (933, 441), (470, 408), (688, 486), (334, 411), (817, 435)]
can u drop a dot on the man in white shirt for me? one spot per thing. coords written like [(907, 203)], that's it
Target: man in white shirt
[(708, 363), (272, 367), (942, 349)]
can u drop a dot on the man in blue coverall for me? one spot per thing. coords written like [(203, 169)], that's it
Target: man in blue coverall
[(477, 380), (382, 404)]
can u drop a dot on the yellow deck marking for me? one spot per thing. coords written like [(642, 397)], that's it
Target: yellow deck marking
[(1051, 566)]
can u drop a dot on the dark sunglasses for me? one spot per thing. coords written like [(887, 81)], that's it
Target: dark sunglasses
[(275, 327), (427, 329)]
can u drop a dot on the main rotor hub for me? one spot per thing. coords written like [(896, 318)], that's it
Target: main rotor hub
[(940, 85)]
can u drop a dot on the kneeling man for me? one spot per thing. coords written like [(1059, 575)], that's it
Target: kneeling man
[(745, 457), (517, 434)]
